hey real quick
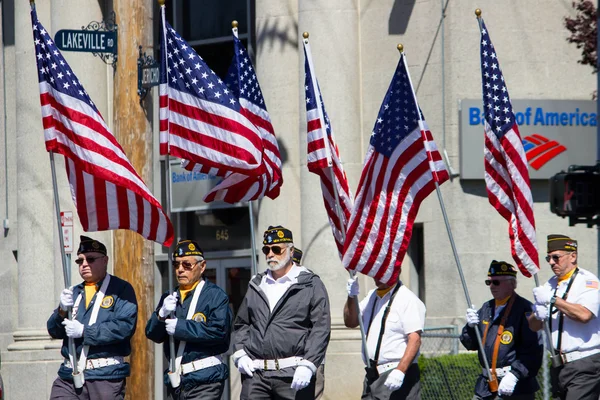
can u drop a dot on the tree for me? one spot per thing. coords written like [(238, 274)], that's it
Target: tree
[(584, 32)]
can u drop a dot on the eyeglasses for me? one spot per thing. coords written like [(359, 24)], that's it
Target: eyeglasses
[(185, 264), (555, 257), (275, 249), (495, 282), (89, 260)]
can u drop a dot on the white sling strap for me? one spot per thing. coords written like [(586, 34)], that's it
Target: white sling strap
[(82, 362), (190, 314)]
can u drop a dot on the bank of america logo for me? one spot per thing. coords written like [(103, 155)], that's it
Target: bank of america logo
[(539, 150)]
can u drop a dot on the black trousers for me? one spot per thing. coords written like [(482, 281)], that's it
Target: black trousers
[(259, 387), (410, 389), (113, 389), (577, 380), (206, 391)]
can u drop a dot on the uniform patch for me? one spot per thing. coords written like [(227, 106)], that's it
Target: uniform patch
[(506, 337), (107, 302), (280, 234), (199, 317), (191, 247), (591, 284)]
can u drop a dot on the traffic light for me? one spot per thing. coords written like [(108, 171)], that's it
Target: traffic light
[(576, 194)]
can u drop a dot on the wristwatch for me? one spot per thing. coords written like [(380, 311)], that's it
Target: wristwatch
[(552, 300)]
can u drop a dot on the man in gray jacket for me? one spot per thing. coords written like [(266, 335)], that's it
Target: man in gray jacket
[(282, 328)]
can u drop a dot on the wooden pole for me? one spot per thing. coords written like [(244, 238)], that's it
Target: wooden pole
[(133, 255)]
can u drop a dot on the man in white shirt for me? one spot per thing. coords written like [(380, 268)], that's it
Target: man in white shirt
[(571, 299), (282, 328), (392, 369)]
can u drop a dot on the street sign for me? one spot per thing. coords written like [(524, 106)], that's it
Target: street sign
[(66, 222), (86, 41), (149, 76)]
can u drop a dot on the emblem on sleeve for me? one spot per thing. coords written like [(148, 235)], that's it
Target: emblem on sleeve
[(199, 317), (107, 302), (506, 337)]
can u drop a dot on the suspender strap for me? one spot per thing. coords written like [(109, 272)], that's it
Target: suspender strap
[(190, 314), (561, 315), (385, 314), (500, 330), (485, 332)]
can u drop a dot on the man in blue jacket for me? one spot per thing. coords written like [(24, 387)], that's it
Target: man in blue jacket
[(104, 318), (513, 350), (198, 317)]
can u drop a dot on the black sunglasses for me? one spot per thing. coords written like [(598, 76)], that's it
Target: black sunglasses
[(185, 264), (89, 260), (275, 249), (555, 257), (496, 282)]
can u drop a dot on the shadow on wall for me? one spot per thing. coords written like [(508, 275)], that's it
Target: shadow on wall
[(400, 15), (8, 22), (540, 189)]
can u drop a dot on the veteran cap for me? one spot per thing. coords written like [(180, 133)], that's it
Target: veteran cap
[(501, 268), (186, 248), (89, 245), (561, 242), (297, 256), (277, 234)]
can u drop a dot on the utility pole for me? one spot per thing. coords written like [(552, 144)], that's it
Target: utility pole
[(134, 255)]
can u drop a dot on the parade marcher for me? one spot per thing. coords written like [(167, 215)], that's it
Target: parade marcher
[(513, 351), (320, 375), (198, 316), (394, 319), (282, 328), (104, 319), (570, 297)]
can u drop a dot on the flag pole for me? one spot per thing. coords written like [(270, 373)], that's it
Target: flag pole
[(168, 199), (77, 378), (234, 30), (338, 208), (449, 230)]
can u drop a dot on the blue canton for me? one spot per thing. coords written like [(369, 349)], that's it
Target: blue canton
[(398, 114), (53, 68), (241, 78), (310, 96), (496, 102), (187, 72)]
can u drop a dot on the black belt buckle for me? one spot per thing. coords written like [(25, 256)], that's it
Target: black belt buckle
[(276, 364)]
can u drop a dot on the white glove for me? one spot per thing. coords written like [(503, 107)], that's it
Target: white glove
[(540, 312), (507, 384), (246, 366), (472, 317), (352, 287), (301, 377), (73, 328), (168, 306), (66, 299), (394, 380), (542, 294), (170, 325)]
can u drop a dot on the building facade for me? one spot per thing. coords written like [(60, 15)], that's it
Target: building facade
[(354, 52)]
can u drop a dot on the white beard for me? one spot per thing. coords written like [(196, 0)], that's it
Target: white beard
[(275, 265)]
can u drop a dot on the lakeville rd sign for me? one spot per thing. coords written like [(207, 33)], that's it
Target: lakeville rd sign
[(86, 41)]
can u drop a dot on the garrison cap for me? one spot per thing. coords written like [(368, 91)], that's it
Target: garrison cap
[(186, 248), (297, 257), (561, 242), (501, 268), (89, 245), (277, 234)]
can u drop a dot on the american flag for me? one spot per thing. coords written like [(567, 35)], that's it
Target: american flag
[(323, 155), (201, 120), (107, 191), (506, 174), (397, 175), (242, 81)]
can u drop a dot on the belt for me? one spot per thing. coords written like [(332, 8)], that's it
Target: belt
[(200, 364), (578, 355), (500, 372), (386, 367), (97, 362), (277, 364)]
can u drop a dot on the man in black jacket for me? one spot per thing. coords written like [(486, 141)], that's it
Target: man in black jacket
[(513, 351), (282, 328)]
